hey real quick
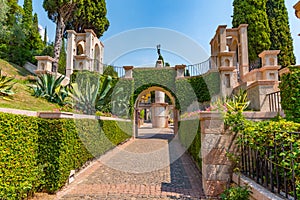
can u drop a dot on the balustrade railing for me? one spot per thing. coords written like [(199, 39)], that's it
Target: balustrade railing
[(272, 167), (198, 69), (274, 101)]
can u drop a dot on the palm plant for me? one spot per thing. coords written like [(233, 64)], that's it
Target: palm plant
[(6, 85), (50, 88)]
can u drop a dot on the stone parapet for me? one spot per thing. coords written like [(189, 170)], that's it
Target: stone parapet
[(257, 94), (216, 167)]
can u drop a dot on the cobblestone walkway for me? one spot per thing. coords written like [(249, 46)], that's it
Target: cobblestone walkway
[(153, 166)]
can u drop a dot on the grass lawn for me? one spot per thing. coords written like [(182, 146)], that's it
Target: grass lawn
[(22, 99)]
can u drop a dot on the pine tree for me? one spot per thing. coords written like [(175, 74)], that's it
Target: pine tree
[(90, 14), (253, 13), (281, 38)]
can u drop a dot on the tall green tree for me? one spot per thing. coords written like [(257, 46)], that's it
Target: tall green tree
[(45, 36), (89, 14), (62, 58), (13, 38), (27, 8), (3, 17), (253, 13), (60, 12), (281, 38), (33, 43)]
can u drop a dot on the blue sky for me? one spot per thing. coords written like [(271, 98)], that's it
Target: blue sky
[(196, 20)]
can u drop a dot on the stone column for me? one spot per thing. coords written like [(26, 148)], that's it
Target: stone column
[(216, 167), (180, 71), (228, 73), (221, 31), (243, 50), (159, 108), (128, 71), (71, 52)]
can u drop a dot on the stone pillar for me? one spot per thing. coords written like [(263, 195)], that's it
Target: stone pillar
[(44, 64), (243, 50), (71, 52), (128, 71), (159, 115), (216, 167), (228, 73), (89, 43), (180, 71), (221, 32), (159, 108), (159, 64), (297, 9)]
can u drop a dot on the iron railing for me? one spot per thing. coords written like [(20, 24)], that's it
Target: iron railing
[(198, 69), (119, 70), (270, 169), (274, 101)]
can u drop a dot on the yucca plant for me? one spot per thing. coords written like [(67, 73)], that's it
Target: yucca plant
[(238, 103), (48, 86), (6, 85)]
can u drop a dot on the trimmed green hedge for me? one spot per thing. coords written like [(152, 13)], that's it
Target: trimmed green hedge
[(190, 138), (19, 169), (38, 154)]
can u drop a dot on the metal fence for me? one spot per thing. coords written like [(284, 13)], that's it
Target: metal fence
[(198, 69), (271, 169), (119, 70), (274, 101)]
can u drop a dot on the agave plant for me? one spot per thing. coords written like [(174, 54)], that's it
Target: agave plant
[(90, 95), (84, 96), (49, 87), (103, 101), (6, 85)]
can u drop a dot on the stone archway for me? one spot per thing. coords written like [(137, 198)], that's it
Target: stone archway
[(137, 105)]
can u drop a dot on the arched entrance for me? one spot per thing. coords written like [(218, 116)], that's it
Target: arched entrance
[(138, 106)]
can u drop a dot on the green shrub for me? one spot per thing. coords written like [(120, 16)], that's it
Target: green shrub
[(19, 169), (236, 193), (38, 154), (190, 138)]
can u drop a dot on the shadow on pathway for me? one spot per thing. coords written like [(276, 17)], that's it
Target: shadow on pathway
[(152, 166)]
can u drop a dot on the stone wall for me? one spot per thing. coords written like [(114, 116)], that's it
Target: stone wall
[(215, 143)]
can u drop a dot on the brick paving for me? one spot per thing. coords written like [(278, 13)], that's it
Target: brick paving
[(153, 166)]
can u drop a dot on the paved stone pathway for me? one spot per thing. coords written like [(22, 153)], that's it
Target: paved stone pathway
[(153, 166)]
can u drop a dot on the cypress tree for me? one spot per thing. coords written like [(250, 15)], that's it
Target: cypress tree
[(281, 38), (45, 36), (253, 13), (62, 58), (27, 17)]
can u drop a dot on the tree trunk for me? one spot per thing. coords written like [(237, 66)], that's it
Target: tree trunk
[(60, 27)]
